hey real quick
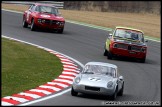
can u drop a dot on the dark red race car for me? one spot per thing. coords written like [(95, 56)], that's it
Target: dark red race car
[(127, 42), (43, 16)]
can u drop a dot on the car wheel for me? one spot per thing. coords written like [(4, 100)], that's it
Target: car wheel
[(73, 93), (25, 24), (121, 90), (109, 55), (105, 51), (60, 30), (142, 60), (113, 97), (32, 27)]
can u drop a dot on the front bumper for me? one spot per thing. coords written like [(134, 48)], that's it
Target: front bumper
[(49, 24), (128, 53), (98, 90)]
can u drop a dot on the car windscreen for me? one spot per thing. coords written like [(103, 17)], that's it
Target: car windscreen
[(99, 69), (129, 34), (47, 9)]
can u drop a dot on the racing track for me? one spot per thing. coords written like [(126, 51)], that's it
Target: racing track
[(142, 80)]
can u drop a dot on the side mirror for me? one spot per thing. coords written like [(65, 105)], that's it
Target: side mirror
[(110, 35), (121, 78)]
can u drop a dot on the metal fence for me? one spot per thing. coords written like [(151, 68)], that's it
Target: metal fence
[(54, 3)]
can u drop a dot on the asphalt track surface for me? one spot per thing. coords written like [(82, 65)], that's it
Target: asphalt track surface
[(142, 80)]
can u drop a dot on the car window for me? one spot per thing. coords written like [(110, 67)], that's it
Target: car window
[(113, 72), (129, 34), (119, 33), (48, 9), (33, 8), (98, 69), (37, 8)]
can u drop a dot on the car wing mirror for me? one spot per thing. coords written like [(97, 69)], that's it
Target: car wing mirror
[(110, 35), (121, 78)]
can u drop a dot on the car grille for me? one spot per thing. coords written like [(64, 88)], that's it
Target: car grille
[(123, 46), (135, 48), (128, 47), (50, 21), (92, 88)]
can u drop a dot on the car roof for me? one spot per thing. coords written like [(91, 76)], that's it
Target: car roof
[(41, 4), (129, 28), (102, 63)]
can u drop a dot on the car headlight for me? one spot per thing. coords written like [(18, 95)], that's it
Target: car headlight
[(115, 45), (77, 80), (109, 84), (143, 49), (43, 21), (62, 23), (39, 20), (57, 23)]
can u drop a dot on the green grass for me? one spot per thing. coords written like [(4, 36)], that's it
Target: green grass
[(25, 67)]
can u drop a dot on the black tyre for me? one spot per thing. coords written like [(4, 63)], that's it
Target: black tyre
[(142, 60), (113, 97), (25, 24), (32, 27), (105, 51), (109, 55), (60, 30), (120, 93), (73, 93)]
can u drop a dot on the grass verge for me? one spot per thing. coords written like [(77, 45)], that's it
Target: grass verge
[(25, 67)]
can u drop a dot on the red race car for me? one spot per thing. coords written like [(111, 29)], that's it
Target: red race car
[(43, 16), (127, 42)]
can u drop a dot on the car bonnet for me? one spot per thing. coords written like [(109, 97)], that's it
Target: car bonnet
[(95, 80)]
